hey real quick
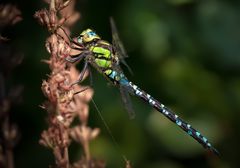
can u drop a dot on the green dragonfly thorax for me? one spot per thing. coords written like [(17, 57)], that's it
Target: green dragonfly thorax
[(103, 52)]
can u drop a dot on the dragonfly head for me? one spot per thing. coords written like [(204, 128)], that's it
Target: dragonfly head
[(87, 36)]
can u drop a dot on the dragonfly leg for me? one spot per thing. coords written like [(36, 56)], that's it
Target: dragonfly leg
[(84, 70), (82, 90), (74, 58), (90, 77), (91, 83)]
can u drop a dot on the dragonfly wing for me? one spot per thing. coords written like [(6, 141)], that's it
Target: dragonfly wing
[(127, 102), (118, 45)]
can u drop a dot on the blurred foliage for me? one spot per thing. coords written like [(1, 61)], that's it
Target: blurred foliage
[(186, 53)]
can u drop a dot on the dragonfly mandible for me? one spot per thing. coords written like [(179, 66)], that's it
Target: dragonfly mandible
[(107, 58)]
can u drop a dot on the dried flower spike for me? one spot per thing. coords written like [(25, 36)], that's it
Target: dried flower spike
[(62, 104)]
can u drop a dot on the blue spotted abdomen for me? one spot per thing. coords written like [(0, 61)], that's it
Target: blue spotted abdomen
[(170, 115)]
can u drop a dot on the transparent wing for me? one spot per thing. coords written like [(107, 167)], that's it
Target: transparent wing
[(127, 102), (118, 46)]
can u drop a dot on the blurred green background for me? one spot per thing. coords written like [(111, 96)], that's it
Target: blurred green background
[(185, 53)]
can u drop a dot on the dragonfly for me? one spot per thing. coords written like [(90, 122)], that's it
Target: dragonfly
[(107, 58)]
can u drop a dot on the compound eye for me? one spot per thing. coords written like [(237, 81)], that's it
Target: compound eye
[(90, 34)]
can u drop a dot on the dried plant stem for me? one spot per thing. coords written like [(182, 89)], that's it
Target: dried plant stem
[(61, 152), (62, 104), (87, 151)]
